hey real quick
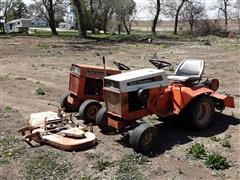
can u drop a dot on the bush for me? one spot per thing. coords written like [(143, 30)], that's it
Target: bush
[(40, 92), (216, 162)]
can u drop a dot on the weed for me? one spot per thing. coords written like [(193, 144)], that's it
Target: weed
[(40, 92), (21, 78), (8, 109), (152, 119), (197, 151), (102, 164), (9, 149), (223, 141), (45, 165), (216, 162), (128, 167), (43, 46), (92, 156)]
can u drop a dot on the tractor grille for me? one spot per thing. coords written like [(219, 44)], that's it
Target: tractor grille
[(113, 102)]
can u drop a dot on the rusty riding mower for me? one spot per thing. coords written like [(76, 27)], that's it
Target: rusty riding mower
[(85, 89), (58, 130), (132, 95)]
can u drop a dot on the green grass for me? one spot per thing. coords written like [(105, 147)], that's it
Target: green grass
[(197, 151), (102, 164), (10, 149), (8, 109), (45, 165), (40, 92), (44, 46), (128, 167), (216, 162)]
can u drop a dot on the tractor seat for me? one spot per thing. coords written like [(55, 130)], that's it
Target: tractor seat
[(189, 70)]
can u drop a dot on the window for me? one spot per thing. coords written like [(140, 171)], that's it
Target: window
[(110, 83), (75, 69)]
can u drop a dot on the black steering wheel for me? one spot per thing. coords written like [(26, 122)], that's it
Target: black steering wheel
[(159, 63), (121, 66)]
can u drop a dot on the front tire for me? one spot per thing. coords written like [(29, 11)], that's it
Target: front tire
[(200, 113), (143, 137), (101, 120), (88, 110), (65, 104)]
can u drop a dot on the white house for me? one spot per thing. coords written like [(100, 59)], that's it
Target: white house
[(18, 25)]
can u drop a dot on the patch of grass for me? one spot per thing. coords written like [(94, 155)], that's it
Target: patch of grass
[(40, 92), (223, 141), (45, 165), (9, 149), (163, 46), (8, 109), (20, 78), (228, 46), (91, 156), (216, 162), (197, 151), (102, 164), (128, 167), (44, 46)]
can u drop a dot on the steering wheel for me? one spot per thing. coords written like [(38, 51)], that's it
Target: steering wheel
[(121, 66), (159, 63)]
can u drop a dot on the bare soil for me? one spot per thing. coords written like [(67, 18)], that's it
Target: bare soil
[(28, 63)]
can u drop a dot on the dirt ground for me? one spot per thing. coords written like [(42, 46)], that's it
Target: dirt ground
[(28, 63)]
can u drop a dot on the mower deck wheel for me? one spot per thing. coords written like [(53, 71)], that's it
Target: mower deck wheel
[(88, 110), (64, 103), (101, 120), (143, 137), (200, 113)]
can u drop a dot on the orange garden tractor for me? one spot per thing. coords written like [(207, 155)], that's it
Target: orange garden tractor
[(85, 89), (132, 95)]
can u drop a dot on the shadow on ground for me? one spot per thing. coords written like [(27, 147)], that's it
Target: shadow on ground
[(173, 132)]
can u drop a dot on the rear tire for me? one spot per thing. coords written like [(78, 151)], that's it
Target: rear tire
[(88, 110), (143, 137), (66, 105), (101, 120), (200, 113)]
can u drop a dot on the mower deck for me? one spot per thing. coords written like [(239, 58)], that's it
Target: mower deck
[(48, 128)]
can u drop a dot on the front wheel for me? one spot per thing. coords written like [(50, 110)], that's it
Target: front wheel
[(66, 105), (101, 120), (200, 113), (143, 137), (88, 110)]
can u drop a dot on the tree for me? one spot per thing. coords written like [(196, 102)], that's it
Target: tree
[(237, 13), (7, 8), (81, 19), (173, 9), (106, 12), (155, 20), (19, 10), (48, 9), (223, 6), (192, 12), (125, 11)]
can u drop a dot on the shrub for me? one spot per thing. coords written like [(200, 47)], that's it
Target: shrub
[(197, 151), (216, 162)]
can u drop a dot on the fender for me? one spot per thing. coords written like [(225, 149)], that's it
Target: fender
[(183, 95), (223, 101)]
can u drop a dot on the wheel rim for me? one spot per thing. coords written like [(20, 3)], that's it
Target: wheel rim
[(92, 111), (147, 139), (203, 114)]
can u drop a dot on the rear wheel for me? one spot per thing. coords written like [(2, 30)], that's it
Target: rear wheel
[(143, 137), (66, 105), (88, 110), (200, 113), (101, 120)]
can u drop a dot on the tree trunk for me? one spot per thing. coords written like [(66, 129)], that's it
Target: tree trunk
[(105, 23), (177, 15), (92, 16), (119, 28), (51, 19), (81, 22), (125, 26), (155, 20)]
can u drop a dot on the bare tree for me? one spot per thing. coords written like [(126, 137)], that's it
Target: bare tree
[(192, 12), (172, 8), (81, 20), (237, 13), (48, 10), (223, 6), (7, 8), (155, 20)]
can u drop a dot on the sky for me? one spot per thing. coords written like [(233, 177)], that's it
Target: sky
[(144, 14)]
